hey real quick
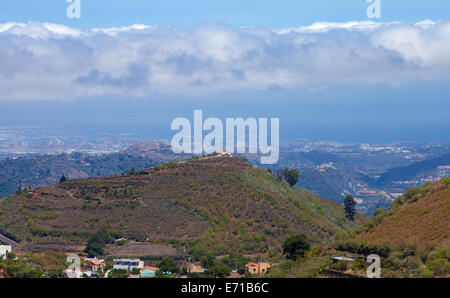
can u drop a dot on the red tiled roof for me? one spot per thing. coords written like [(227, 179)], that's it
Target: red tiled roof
[(151, 268), (98, 262)]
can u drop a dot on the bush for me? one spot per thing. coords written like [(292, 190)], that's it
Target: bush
[(118, 273), (414, 194), (313, 267), (439, 267), (339, 266), (424, 273), (296, 246), (359, 264), (438, 261), (377, 212)]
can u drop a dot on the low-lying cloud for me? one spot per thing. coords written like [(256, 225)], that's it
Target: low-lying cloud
[(41, 61)]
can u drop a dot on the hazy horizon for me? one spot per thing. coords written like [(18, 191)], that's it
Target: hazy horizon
[(326, 70)]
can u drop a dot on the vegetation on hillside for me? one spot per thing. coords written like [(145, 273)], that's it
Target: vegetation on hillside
[(219, 205), (421, 215), (411, 238)]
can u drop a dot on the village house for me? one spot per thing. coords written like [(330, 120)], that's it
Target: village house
[(191, 268), (94, 264), (90, 268), (258, 268), (149, 271), (128, 264)]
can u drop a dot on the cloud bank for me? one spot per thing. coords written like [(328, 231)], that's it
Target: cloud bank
[(42, 61)]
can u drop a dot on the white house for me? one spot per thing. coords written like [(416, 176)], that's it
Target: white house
[(128, 264), (4, 250)]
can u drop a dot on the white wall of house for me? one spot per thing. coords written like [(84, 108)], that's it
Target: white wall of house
[(4, 249), (128, 264)]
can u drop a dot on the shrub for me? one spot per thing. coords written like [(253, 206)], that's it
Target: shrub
[(424, 273), (296, 246), (313, 267), (339, 266), (377, 212), (359, 264), (440, 267)]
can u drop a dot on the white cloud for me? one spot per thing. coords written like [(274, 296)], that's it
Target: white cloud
[(321, 27), (56, 62)]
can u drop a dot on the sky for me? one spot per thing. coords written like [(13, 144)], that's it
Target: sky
[(323, 67), (268, 13)]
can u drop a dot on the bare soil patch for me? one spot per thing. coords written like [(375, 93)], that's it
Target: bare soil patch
[(143, 249)]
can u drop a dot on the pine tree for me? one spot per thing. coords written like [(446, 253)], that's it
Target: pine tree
[(63, 179), (350, 207)]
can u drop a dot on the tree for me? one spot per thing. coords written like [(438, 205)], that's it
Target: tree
[(350, 207), (296, 246), (219, 269), (167, 265), (236, 262), (291, 176), (94, 249), (97, 242), (63, 179)]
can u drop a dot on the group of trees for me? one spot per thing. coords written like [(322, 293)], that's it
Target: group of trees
[(97, 242), (15, 268), (224, 266), (48, 264), (166, 265)]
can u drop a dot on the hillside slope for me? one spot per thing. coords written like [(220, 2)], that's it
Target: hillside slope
[(421, 216), (219, 204)]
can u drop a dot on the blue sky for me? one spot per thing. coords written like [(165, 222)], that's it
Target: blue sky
[(268, 13), (344, 79)]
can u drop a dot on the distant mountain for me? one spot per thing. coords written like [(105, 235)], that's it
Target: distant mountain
[(217, 204), (413, 171), (421, 216), (47, 169)]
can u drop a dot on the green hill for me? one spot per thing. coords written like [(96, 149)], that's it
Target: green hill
[(217, 204), (421, 216), (412, 239)]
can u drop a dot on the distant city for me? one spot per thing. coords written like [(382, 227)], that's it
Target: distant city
[(37, 140)]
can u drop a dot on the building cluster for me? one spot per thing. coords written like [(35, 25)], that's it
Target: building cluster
[(323, 167), (94, 267)]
